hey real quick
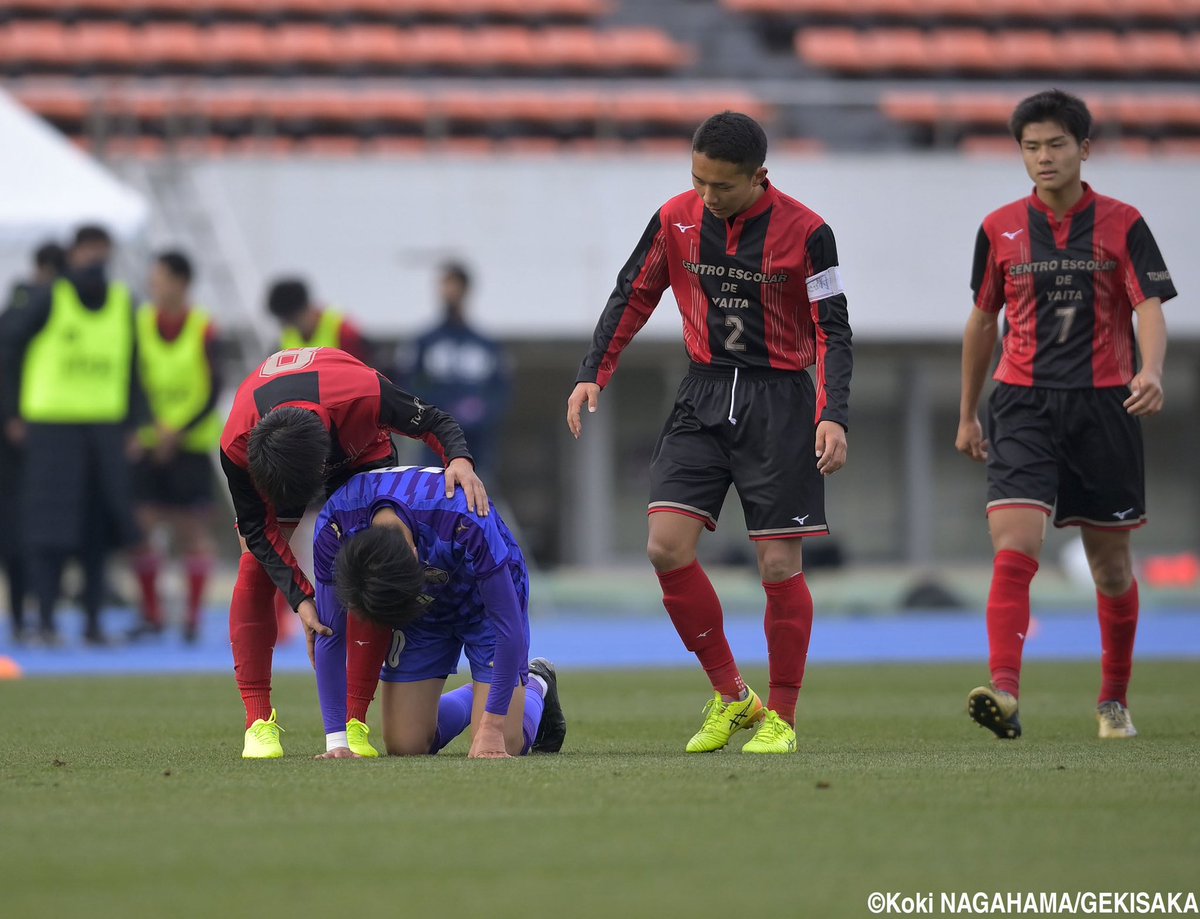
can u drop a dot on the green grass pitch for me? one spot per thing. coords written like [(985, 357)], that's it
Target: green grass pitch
[(127, 797)]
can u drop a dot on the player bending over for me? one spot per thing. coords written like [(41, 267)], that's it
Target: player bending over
[(393, 549)]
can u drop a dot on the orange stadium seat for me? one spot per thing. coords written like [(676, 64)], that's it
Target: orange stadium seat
[(398, 107), (230, 105), (1160, 110), (955, 9), (307, 45), (509, 47), (176, 44), (641, 49), (838, 49), (370, 45), (1193, 46), (897, 9), (1159, 10), (60, 104), (963, 50), (36, 44), (105, 43), (1021, 9), (1031, 51), (569, 48), (984, 109), (307, 106), (1092, 51), (1158, 52), (244, 44), (439, 47), (911, 107), (903, 50)]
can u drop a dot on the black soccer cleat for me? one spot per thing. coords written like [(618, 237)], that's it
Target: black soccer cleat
[(995, 710), (553, 729)]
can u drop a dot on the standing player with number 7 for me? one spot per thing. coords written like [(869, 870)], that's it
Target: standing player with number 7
[(1071, 268), (306, 420)]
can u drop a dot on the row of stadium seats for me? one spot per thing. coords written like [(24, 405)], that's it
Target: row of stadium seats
[(1166, 11), (390, 9), (213, 146), (118, 47), (1142, 113), (259, 109), (974, 51)]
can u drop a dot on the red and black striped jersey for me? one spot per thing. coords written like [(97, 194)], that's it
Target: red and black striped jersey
[(760, 291), (360, 408), (1068, 288)]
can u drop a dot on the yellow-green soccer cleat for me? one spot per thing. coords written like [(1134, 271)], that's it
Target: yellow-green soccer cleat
[(262, 740), (722, 718), (995, 710), (1115, 723), (357, 736), (774, 735)]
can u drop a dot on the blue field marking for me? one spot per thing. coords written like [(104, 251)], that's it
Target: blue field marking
[(581, 639)]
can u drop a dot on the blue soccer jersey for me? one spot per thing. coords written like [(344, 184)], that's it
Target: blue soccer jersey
[(475, 575)]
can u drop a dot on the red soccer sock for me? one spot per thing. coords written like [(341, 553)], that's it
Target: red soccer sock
[(366, 647), (1118, 625), (286, 620), (788, 625), (146, 565), (695, 612), (1008, 617), (198, 568), (252, 632)]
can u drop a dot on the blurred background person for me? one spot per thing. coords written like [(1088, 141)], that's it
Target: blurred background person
[(460, 370), (304, 324), (71, 394), (49, 261), (176, 346)]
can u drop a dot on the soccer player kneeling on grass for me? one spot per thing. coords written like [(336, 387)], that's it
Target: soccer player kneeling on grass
[(390, 547)]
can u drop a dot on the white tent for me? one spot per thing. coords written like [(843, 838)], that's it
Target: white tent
[(48, 187)]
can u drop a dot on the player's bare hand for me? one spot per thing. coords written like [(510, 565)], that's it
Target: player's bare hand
[(14, 430), (312, 628), (1146, 394), (461, 472), (338, 753), (488, 742), (831, 447), (583, 393), (167, 446), (970, 442)]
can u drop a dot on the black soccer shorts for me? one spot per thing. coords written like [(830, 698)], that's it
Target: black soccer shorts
[(755, 431), (1075, 452)]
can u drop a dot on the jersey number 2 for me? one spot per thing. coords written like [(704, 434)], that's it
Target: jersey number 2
[(734, 340)]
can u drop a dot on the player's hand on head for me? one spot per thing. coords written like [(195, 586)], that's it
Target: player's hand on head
[(338, 753), (1145, 394), (583, 394), (831, 447), (312, 628), (969, 440), (461, 472)]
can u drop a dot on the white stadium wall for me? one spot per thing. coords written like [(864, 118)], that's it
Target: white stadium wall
[(548, 235)]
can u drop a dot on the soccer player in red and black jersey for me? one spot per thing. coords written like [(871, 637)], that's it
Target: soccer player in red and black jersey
[(755, 275), (1071, 269), (305, 419)]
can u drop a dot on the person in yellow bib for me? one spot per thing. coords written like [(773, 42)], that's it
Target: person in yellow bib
[(72, 396), (304, 324), (173, 484)]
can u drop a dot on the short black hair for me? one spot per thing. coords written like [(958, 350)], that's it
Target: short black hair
[(287, 298), (92, 233), (50, 255), (734, 138), (287, 453), (1062, 108), (177, 264), (459, 272), (377, 577)]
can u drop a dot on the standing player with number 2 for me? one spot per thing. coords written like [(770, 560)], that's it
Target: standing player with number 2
[(755, 275), (305, 419), (1071, 268)]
